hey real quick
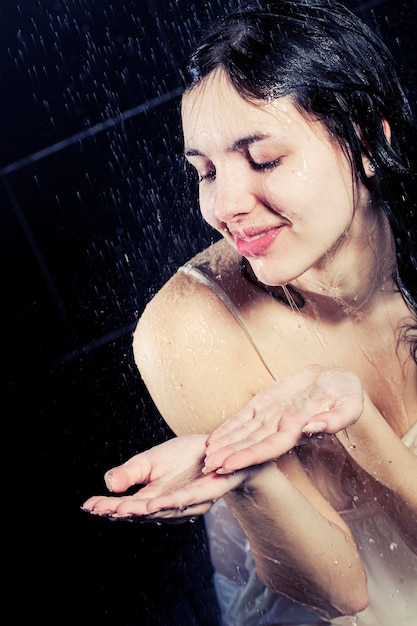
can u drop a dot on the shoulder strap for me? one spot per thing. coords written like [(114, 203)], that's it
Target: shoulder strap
[(222, 295), (410, 438)]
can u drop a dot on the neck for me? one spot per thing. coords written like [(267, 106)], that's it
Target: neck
[(353, 277)]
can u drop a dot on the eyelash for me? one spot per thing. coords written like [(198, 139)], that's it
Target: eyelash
[(264, 167), (259, 167), (209, 176)]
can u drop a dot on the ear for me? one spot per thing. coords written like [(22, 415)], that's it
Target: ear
[(387, 129), (368, 164)]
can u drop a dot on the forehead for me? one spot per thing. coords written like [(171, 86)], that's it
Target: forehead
[(214, 111)]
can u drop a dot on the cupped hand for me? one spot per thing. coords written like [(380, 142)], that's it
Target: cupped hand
[(172, 485), (310, 402)]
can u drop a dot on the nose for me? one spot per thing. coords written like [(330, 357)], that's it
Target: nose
[(232, 195)]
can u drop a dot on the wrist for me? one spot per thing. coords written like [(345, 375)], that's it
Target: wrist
[(258, 481)]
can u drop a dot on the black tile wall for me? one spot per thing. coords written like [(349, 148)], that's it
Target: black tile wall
[(96, 215)]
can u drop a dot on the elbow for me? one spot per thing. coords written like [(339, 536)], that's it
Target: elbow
[(343, 600), (357, 601), (350, 600)]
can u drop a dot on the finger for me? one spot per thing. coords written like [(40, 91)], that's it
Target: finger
[(174, 521), (231, 424), (269, 449), (261, 442), (180, 515), (313, 428), (206, 491), (215, 460), (251, 431), (102, 505), (134, 472), (341, 416), (89, 504)]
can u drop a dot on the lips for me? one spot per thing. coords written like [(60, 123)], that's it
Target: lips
[(255, 242)]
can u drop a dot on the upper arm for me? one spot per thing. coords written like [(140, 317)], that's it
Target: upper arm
[(194, 357)]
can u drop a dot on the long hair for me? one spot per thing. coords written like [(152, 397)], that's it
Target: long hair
[(337, 69)]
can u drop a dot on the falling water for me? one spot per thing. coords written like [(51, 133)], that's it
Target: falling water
[(98, 212)]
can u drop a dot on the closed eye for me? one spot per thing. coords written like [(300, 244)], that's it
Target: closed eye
[(259, 167), (210, 175), (264, 167)]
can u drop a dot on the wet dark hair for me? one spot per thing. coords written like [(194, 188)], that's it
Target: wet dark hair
[(336, 69)]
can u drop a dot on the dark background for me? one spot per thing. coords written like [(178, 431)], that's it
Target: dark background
[(96, 213)]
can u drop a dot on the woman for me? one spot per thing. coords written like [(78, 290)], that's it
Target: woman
[(284, 356)]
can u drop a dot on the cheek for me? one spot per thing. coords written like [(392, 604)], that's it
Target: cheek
[(202, 203), (206, 204), (290, 195)]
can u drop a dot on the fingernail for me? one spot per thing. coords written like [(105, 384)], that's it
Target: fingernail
[(108, 479)]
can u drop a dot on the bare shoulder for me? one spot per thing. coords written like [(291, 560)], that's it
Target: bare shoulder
[(181, 303), (192, 354)]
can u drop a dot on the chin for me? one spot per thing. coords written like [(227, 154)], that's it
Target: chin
[(269, 278)]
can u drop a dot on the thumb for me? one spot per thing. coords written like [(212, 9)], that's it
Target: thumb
[(134, 472), (117, 479)]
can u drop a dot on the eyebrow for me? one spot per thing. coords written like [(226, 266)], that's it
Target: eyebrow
[(237, 145)]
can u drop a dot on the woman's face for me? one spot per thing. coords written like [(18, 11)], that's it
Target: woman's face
[(272, 181)]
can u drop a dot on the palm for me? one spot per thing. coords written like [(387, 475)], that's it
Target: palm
[(309, 402), (175, 487)]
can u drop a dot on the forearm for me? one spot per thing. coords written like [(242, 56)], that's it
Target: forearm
[(375, 447), (299, 552)]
